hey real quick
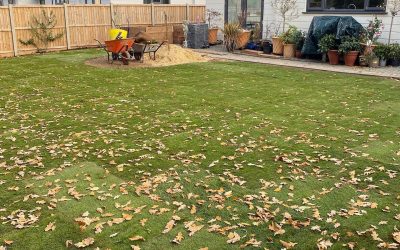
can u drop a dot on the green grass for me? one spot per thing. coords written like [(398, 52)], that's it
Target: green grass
[(301, 140)]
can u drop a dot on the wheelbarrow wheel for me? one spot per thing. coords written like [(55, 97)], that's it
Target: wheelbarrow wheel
[(138, 56), (115, 56)]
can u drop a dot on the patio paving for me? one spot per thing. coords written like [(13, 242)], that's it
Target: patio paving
[(219, 52)]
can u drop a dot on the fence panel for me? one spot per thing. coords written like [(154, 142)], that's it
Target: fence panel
[(174, 14), (23, 18), (6, 46), (197, 13), (124, 14), (88, 22), (81, 24)]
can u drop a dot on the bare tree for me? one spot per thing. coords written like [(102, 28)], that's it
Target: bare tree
[(286, 9), (394, 9)]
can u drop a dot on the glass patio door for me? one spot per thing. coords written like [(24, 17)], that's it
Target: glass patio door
[(251, 9)]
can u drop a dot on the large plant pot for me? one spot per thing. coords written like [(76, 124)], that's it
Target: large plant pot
[(289, 50), (277, 44), (243, 39), (213, 36), (383, 62), (333, 56), (350, 58)]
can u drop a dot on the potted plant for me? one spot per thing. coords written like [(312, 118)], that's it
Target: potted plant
[(382, 52), (371, 35), (244, 34), (350, 47), (394, 54), (287, 11), (290, 39), (213, 17), (231, 33), (329, 45), (267, 46)]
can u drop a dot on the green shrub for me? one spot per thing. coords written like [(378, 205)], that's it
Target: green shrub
[(394, 51), (292, 36), (382, 51), (349, 43), (327, 42)]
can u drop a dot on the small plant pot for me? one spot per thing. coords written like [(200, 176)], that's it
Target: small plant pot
[(298, 54), (243, 39), (289, 50), (213, 36), (395, 62), (277, 44), (383, 62), (333, 56), (362, 61), (374, 63), (350, 58)]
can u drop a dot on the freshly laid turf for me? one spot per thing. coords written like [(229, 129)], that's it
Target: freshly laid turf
[(220, 155)]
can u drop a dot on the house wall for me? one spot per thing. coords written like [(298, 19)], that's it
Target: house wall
[(303, 19)]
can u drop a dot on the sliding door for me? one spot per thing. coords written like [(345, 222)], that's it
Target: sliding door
[(250, 11)]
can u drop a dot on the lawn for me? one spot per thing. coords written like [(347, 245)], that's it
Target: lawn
[(223, 155)]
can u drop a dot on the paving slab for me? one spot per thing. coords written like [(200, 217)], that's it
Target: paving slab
[(243, 56)]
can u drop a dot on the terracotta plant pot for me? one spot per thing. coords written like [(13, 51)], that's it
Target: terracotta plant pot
[(333, 56), (350, 58), (243, 39), (289, 50), (212, 36), (298, 54), (277, 45)]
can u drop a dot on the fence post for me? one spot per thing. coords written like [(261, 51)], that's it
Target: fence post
[(112, 15), (153, 21), (187, 12), (66, 19), (12, 26)]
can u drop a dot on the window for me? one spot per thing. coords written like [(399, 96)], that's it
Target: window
[(346, 5)]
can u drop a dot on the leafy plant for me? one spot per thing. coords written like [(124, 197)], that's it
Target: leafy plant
[(256, 33), (373, 31), (394, 51), (349, 43), (292, 36), (382, 51), (41, 29), (213, 17), (286, 9), (231, 34), (327, 42)]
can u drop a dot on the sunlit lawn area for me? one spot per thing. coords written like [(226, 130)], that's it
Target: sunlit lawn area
[(221, 155)]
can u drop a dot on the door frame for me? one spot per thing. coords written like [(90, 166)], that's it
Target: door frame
[(244, 7)]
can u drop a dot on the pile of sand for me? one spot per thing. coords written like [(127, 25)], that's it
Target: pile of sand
[(167, 55)]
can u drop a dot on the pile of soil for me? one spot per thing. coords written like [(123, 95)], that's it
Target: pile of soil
[(167, 55)]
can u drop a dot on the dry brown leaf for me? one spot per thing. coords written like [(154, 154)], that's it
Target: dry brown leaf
[(136, 237), (288, 245), (396, 237), (50, 227), (233, 237), (85, 243), (178, 238)]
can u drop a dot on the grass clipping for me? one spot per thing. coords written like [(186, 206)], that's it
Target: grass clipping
[(167, 55)]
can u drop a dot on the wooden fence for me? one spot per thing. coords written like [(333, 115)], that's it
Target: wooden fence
[(81, 24)]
